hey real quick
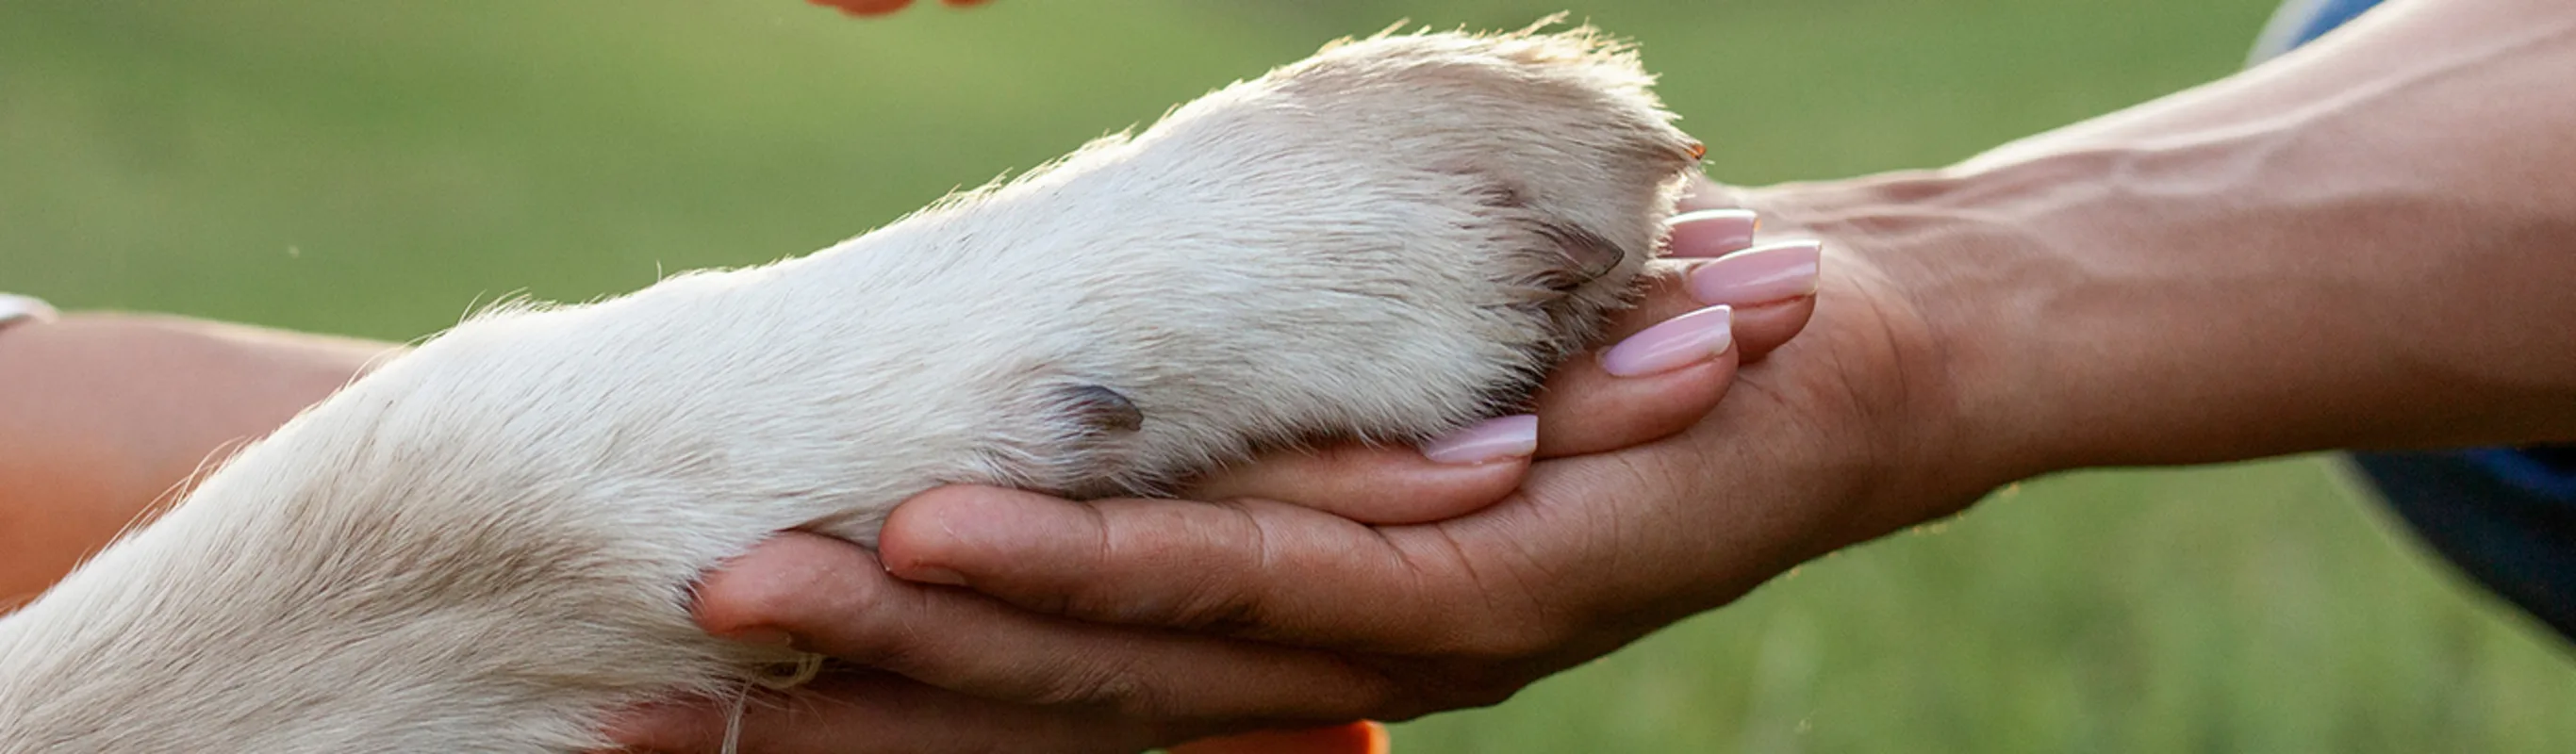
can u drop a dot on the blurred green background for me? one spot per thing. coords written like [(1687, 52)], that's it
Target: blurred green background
[(374, 168)]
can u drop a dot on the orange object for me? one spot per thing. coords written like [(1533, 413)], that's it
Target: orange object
[(1362, 737)]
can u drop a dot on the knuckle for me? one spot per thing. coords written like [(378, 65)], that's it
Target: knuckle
[(863, 623), (1105, 686), (1215, 605)]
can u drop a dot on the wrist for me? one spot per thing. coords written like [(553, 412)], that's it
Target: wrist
[(2051, 324), (1905, 316), (2074, 313)]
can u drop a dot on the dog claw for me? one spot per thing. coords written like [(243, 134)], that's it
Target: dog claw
[(1104, 410), (1592, 255)]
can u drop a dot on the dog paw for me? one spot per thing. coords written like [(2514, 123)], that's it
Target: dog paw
[(488, 543), (1386, 241)]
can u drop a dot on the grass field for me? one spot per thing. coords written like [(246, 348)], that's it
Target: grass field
[(373, 168)]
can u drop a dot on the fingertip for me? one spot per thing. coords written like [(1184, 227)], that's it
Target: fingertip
[(1710, 233), (1762, 328), (1370, 484), (1497, 439), (772, 583), (936, 535), (1425, 491), (1587, 410)]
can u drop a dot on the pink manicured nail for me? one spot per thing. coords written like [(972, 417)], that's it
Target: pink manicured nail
[(1710, 232), (1759, 275), (1673, 344), (1487, 441)]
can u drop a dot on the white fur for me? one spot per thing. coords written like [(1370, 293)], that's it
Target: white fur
[(487, 543)]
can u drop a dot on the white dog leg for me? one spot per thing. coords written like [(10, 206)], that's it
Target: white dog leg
[(488, 543)]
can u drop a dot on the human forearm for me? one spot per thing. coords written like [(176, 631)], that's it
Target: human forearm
[(2370, 246), (103, 414)]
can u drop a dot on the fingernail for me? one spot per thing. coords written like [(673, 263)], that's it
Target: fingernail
[(763, 636), (1487, 441), (1673, 344), (1759, 275), (935, 575), (1710, 232)]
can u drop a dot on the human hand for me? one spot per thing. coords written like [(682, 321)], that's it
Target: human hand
[(835, 598), (108, 413)]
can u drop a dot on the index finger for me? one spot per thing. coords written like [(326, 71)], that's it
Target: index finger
[(1248, 568)]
